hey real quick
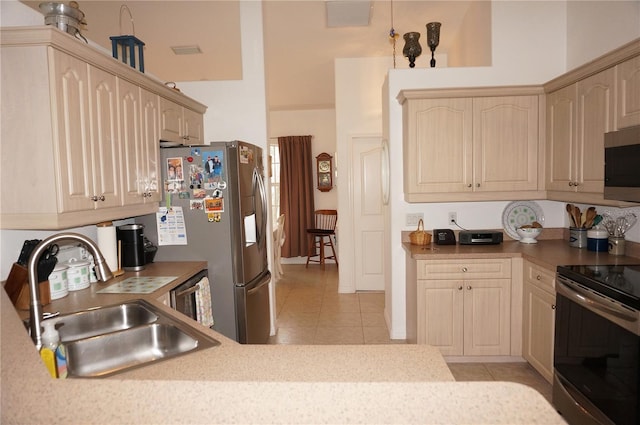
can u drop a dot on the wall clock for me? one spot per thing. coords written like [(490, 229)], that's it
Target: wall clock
[(325, 172)]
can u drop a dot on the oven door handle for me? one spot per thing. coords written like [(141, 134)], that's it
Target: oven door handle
[(585, 298), (188, 291)]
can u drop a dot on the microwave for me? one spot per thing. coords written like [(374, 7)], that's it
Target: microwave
[(622, 164)]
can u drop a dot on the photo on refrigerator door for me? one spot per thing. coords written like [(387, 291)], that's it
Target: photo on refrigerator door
[(174, 169), (213, 162)]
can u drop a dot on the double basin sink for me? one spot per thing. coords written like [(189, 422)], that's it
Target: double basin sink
[(107, 340)]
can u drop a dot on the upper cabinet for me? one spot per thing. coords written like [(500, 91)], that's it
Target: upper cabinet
[(480, 146), (87, 123), (581, 106), (628, 92), (577, 118), (179, 124)]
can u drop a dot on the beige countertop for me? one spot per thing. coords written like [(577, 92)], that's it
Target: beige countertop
[(236, 383), (546, 253)]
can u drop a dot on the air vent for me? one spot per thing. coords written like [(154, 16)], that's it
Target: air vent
[(186, 50)]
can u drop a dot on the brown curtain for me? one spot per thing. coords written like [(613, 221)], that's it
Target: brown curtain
[(296, 192)]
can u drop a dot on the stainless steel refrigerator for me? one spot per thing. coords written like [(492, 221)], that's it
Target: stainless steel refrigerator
[(220, 190)]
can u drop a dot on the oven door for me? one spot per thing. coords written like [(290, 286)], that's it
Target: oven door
[(183, 297), (596, 358)]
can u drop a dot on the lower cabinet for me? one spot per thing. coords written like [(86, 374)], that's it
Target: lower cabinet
[(468, 314), (539, 318)]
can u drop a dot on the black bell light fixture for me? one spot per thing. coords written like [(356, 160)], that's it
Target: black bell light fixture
[(433, 39), (412, 47)]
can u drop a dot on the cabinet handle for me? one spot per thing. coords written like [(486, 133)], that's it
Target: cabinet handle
[(464, 269), (469, 287), (469, 185), (553, 306), (538, 277), (570, 184), (477, 184), (96, 198), (460, 288)]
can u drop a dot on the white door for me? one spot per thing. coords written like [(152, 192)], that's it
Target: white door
[(368, 223)]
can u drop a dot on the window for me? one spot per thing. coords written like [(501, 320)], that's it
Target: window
[(274, 155)]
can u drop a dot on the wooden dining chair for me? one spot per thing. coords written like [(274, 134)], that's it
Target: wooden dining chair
[(321, 235)]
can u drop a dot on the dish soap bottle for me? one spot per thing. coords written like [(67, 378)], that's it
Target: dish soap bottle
[(52, 352)]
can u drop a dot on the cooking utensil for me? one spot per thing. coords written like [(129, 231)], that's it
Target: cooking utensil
[(569, 209)]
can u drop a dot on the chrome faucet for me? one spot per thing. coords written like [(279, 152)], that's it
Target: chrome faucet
[(35, 306)]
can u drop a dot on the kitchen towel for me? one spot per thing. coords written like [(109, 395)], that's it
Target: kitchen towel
[(108, 244), (203, 303)]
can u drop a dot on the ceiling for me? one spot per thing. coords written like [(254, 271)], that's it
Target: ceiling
[(299, 47)]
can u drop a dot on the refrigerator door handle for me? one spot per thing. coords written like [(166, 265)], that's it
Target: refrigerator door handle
[(262, 231)]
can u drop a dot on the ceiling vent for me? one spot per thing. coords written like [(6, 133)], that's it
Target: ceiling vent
[(348, 13), (186, 50)]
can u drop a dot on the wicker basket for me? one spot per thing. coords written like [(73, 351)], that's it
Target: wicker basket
[(420, 237)]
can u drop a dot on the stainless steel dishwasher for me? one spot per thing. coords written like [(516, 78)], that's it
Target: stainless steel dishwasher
[(183, 297)]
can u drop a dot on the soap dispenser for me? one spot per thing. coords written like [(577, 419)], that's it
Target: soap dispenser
[(52, 352)]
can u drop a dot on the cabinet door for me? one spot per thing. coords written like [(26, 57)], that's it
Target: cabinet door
[(193, 127), (440, 315), (105, 142), (595, 117), (73, 147), (170, 121), (628, 93), (487, 324), (505, 143), (561, 139), (438, 148), (150, 158), (538, 329), (131, 139)]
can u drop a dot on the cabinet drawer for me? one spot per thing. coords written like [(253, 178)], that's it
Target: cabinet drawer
[(467, 269), (540, 277)]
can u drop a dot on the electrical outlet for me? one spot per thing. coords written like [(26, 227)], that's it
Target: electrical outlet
[(453, 218), (413, 218)]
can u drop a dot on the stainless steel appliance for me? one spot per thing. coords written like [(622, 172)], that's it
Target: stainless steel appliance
[(131, 240), (220, 188), (621, 159), (597, 344), (183, 297)]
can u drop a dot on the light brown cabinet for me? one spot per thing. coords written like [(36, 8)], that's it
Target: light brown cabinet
[(628, 92), (577, 118), (463, 307), (179, 124), (139, 115), (538, 322), (483, 146), (80, 133)]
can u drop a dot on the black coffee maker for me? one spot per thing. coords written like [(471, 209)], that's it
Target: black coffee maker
[(131, 240)]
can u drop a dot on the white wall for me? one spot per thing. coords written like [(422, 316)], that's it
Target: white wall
[(358, 112), (596, 27), (321, 124)]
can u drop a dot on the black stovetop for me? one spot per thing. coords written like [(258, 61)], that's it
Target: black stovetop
[(620, 282)]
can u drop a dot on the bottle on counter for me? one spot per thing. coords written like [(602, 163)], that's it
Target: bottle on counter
[(52, 352)]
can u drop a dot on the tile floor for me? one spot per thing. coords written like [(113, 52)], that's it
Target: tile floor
[(310, 310)]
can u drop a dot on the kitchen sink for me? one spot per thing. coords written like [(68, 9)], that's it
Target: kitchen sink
[(108, 340), (123, 350), (88, 323)]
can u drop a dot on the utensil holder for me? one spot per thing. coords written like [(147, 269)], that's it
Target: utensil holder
[(616, 245), (577, 237)]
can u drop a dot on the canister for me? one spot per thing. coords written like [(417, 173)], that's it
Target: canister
[(597, 240), (77, 274), (58, 283), (577, 237), (616, 245)]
